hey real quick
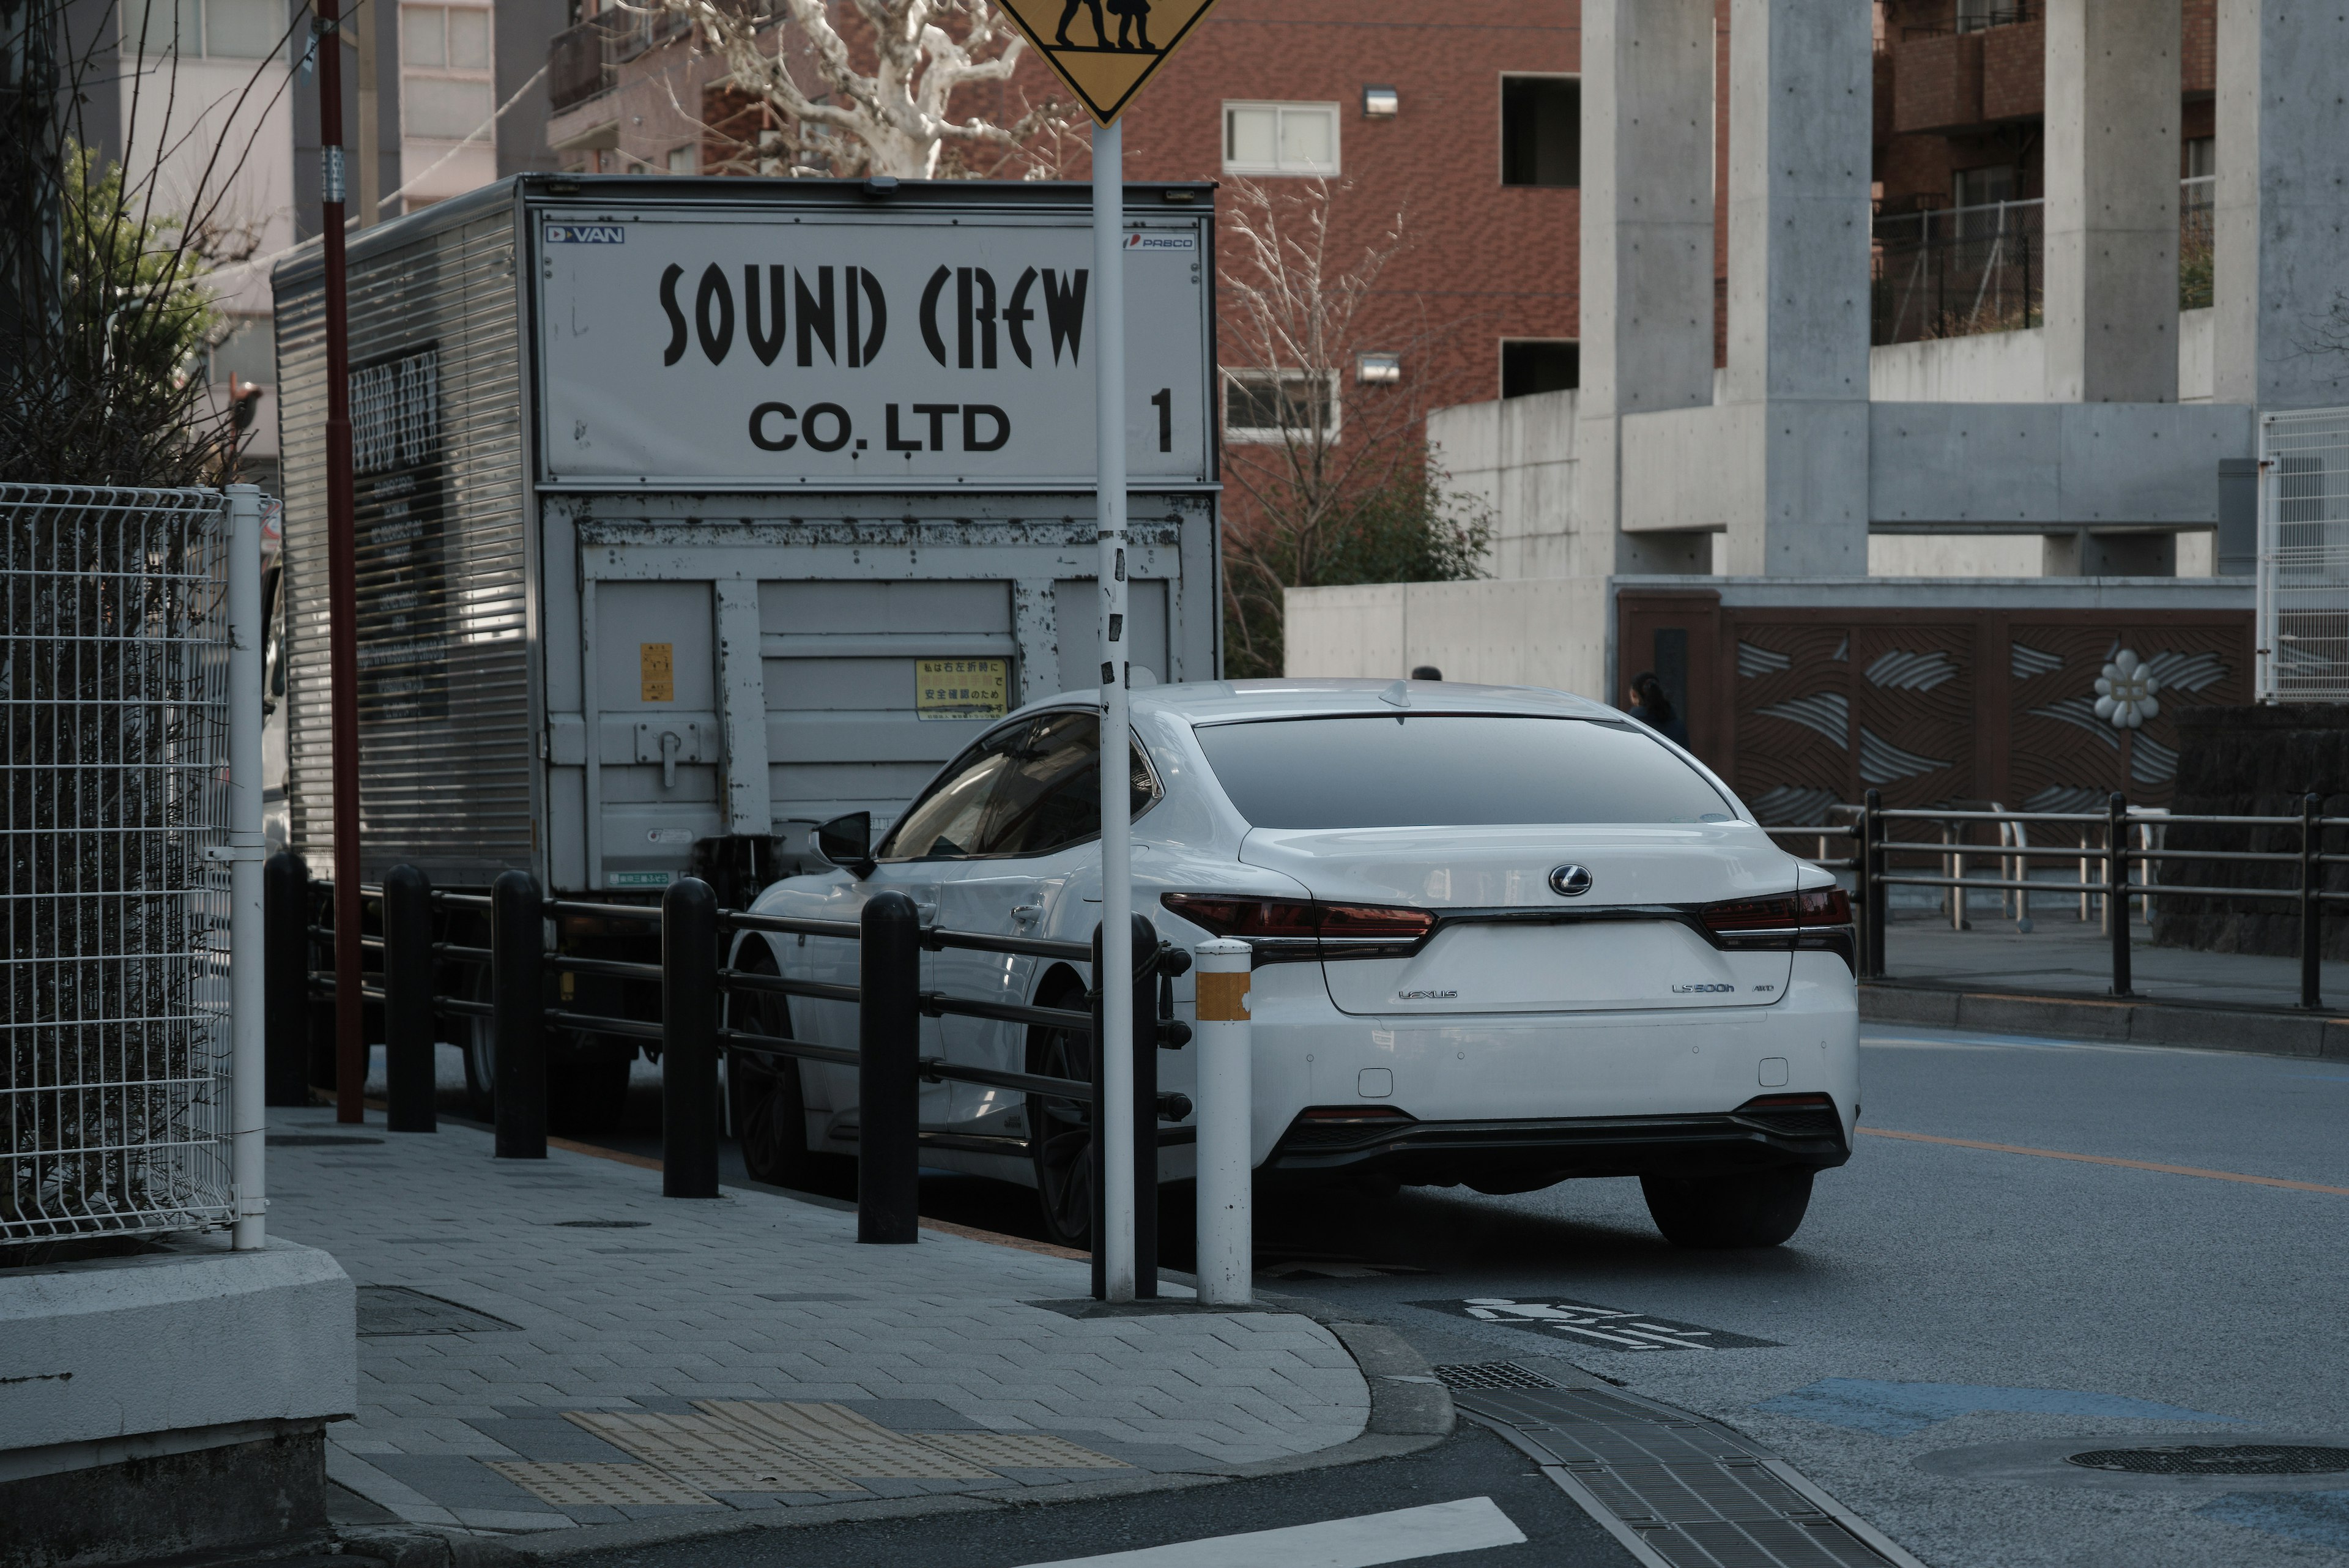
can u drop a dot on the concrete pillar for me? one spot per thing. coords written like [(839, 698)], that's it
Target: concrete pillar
[(2282, 207), (1800, 98), (1647, 253), (2112, 163)]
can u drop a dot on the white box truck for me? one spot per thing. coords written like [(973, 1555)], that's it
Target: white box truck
[(691, 513)]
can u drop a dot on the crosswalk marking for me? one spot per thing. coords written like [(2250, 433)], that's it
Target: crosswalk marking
[(1471, 1523)]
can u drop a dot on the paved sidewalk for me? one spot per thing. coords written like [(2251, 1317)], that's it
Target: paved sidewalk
[(2074, 957), (551, 1344)]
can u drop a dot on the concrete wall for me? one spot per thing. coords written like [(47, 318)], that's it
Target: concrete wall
[(1517, 457), (1551, 632), (2009, 367), (170, 1346)]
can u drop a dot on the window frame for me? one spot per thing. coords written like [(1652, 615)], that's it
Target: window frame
[(1276, 168), (1228, 376), (470, 75), (955, 768), (1500, 126)]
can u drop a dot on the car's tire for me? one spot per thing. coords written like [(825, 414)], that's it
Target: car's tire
[(1060, 1134), (769, 1102), (1747, 1208)]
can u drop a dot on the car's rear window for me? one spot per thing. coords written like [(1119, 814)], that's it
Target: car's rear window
[(1440, 770)]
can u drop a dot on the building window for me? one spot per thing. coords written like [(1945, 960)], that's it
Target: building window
[(1280, 405), (1981, 187), (1541, 131), (208, 30), (1280, 139), (445, 93), (1530, 365), (684, 160)]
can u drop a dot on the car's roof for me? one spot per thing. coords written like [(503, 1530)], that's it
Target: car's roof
[(1210, 701)]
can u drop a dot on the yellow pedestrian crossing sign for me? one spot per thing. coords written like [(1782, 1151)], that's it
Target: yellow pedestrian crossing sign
[(1104, 50)]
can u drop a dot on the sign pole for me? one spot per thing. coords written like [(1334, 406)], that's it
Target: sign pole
[(1114, 1117)]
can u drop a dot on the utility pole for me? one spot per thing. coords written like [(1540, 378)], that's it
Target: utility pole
[(1113, 1116), (342, 585)]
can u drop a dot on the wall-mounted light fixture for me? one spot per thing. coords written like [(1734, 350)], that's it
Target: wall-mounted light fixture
[(1377, 369), (1380, 103)]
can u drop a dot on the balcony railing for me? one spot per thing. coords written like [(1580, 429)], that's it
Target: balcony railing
[(1957, 271), (581, 62)]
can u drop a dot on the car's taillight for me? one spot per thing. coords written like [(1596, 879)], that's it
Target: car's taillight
[(1375, 921), (1815, 907), (1228, 917), (1351, 926)]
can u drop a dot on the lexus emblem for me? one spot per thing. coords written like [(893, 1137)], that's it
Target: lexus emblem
[(1570, 881)]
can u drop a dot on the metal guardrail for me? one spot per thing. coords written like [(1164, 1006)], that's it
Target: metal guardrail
[(2112, 842), (689, 1037)]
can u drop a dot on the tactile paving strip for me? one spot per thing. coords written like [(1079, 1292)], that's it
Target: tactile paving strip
[(1676, 1491), (713, 1455), (1020, 1451), (570, 1485), (839, 1440)]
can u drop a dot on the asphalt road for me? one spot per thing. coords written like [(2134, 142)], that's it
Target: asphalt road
[(1945, 1309)]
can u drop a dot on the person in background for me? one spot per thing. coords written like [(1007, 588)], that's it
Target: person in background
[(1652, 708), (1427, 673)]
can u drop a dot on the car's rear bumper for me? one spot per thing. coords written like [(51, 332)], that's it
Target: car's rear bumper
[(1517, 1155)]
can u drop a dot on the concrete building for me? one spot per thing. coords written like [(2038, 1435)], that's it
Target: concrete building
[(1995, 499)]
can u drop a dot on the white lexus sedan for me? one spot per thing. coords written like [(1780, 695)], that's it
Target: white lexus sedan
[(1503, 937)]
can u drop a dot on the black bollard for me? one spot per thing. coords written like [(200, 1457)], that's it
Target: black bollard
[(408, 1047), (689, 1040), (1145, 1109), (286, 979), (518, 1000), (889, 1045)]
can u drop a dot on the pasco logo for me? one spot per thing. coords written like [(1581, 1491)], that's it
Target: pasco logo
[(586, 234), (1162, 242)]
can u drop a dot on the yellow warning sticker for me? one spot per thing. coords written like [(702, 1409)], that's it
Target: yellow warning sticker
[(656, 672), (961, 688)]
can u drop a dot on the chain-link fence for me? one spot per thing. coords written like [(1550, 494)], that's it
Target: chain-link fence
[(2303, 641), (114, 676)]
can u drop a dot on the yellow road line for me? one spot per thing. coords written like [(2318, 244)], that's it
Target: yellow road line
[(2107, 1159)]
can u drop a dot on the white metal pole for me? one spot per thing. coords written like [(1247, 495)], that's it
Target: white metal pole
[(2263, 585), (1226, 1120), (1115, 1118), (248, 1113)]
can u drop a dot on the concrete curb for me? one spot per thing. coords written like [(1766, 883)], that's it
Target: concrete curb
[(2130, 1020), (1411, 1410)]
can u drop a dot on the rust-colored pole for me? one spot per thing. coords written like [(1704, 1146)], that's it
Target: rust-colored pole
[(342, 588)]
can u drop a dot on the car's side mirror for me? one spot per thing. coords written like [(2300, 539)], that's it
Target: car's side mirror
[(847, 842)]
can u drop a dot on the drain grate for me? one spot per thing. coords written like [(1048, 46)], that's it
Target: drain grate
[(386, 1310), (1492, 1374), (2237, 1460), (1675, 1490)]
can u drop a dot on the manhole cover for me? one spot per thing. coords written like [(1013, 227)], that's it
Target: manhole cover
[(2241, 1460), (396, 1309), (602, 1224), (314, 1140), (1492, 1374)]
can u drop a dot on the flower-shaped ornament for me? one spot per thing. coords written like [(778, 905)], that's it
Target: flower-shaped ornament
[(2125, 691)]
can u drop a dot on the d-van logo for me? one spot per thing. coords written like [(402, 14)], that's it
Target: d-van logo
[(586, 234)]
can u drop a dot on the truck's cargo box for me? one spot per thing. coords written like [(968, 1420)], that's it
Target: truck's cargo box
[(690, 512)]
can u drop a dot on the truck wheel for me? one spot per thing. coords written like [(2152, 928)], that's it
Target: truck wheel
[(1060, 1136), (587, 1083), (480, 1057), (1747, 1208), (770, 1101)]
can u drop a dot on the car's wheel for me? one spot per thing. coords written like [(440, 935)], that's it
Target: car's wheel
[(1060, 1134), (769, 1102), (1747, 1208), (480, 1056)]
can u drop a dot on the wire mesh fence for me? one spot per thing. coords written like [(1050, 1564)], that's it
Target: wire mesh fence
[(1958, 271), (114, 677), (2301, 646)]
